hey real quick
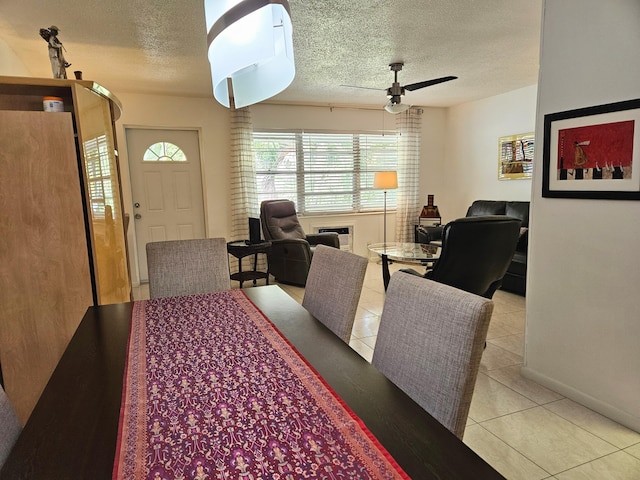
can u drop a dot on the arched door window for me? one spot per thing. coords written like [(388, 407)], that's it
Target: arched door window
[(164, 152)]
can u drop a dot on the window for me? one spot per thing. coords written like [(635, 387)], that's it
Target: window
[(99, 175), (164, 152), (324, 172)]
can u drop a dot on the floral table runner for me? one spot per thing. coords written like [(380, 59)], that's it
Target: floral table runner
[(212, 390)]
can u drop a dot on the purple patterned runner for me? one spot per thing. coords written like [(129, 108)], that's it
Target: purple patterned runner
[(213, 391)]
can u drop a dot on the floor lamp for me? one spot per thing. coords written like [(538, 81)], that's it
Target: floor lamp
[(386, 181)]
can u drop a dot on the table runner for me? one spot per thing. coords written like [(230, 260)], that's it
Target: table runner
[(212, 390)]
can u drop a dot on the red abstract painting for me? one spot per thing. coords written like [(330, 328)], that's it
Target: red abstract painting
[(607, 147)]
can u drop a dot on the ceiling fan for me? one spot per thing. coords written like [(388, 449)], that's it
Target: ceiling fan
[(395, 91)]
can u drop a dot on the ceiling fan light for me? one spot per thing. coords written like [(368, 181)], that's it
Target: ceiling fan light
[(250, 49), (396, 107)]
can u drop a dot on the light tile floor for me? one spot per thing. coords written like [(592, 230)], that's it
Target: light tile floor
[(524, 430)]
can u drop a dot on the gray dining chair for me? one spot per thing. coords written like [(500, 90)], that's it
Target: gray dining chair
[(430, 344), (10, 427), (333, 288), (186, 267)]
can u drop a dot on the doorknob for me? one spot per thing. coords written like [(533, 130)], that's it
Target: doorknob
[(137, 216)]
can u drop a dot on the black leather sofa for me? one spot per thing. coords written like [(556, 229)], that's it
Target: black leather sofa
[(515, 280)]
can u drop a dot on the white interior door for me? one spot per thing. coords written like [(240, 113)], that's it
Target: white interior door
[(166, 183)]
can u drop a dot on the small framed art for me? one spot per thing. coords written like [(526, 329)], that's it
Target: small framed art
[(593, 152), (515, 156)]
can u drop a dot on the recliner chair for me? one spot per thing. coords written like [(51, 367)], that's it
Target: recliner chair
[(476, 252), (292, 249), (515, 278)]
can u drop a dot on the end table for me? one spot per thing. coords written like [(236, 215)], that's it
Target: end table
[(241, 249)]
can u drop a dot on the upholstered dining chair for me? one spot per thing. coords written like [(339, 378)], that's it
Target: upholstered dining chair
[(333, 288), (430, 344), (291, 248), (10, 427), (476, 252), (185, 267)]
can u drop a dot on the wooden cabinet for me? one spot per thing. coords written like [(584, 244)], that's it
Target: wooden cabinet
[(62, 229)]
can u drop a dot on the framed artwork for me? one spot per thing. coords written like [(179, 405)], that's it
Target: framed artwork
[(593, 152), (515, 156)]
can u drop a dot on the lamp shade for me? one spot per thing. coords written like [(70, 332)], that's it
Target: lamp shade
[(250, 49), (396, 107), (386, 180)]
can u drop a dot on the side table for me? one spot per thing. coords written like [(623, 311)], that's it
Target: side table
[(404, 252), (241, 249)]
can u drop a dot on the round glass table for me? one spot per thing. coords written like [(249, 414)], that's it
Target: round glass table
[(404, 252)]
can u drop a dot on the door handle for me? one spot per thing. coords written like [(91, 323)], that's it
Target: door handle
[(137, 216)]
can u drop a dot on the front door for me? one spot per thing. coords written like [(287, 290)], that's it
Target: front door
[(166, 183)]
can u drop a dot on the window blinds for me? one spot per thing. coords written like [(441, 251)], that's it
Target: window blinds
[(324, 172)]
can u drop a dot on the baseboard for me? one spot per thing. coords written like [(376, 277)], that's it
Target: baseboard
[(582, 398)]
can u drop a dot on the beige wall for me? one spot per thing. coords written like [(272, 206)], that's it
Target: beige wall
[(583, 323), (470, 169), (10, 64)]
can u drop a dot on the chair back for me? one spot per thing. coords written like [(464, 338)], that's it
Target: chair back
[(186, 267), (10, 427), (333, 288), (430, 344), (476, 252), (280, 220)]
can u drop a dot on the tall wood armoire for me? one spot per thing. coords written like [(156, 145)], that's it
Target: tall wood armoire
[(62, 227)]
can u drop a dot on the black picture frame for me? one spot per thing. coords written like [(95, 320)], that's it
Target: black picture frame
[(610, 134)]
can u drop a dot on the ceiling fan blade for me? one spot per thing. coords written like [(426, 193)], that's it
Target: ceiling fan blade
[(366, 88), (428, 83)]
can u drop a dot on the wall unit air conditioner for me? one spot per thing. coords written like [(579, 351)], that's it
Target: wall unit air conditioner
[(345, 234)]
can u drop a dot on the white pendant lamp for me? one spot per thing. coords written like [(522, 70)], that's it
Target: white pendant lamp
[(250, 49)]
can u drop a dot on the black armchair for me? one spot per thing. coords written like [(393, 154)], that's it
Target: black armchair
[(292, 249), (476, 252)]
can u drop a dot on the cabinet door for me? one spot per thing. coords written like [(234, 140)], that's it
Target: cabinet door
[(104, 198), (45, 282)]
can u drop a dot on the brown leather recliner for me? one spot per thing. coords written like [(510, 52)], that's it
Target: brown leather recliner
[(292, 249)]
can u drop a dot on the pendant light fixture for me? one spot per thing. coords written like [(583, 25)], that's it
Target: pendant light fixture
[(250, 49)]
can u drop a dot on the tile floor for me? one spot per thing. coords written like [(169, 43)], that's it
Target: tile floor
[(524, 430)]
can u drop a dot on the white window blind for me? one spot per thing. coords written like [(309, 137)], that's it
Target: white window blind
[(99, 175), (324, 172)]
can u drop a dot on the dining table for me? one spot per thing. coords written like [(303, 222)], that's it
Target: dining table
[(89, 422)]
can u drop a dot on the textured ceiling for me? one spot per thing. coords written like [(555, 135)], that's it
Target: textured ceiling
[(159, 46)]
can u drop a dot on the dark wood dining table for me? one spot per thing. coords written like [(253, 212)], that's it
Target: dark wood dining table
[(72, 432)]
